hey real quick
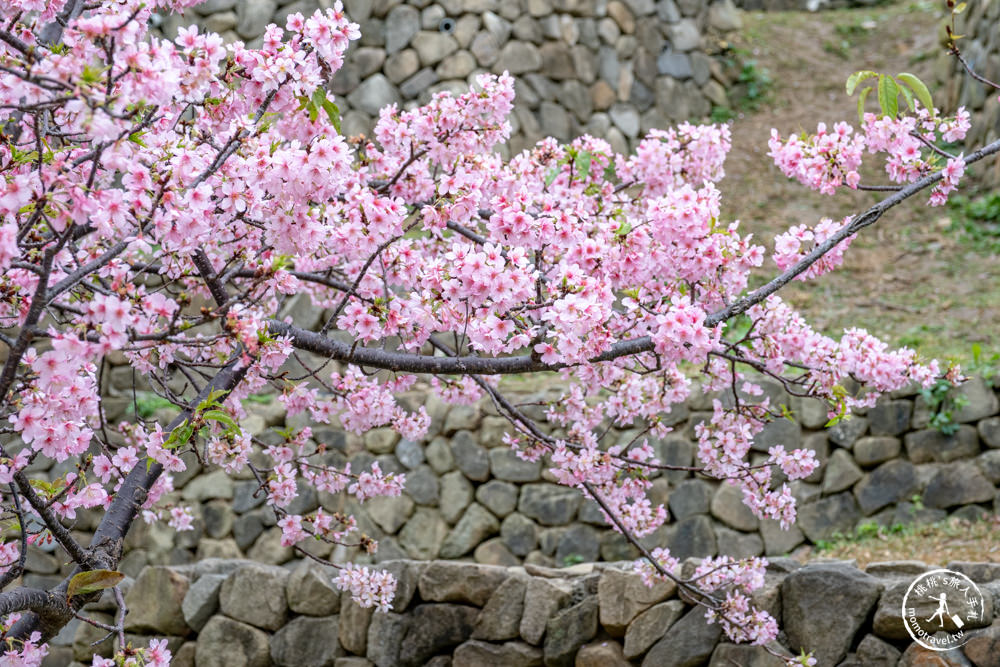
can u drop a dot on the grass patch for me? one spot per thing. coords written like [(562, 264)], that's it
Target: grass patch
[(935, 543)]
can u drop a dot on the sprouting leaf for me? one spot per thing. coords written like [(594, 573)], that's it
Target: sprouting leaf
[(211, 400), (582, 163), (858, 77), (623, 229), (919, 89), (908, 96), (959, 8), (93, 581), (888, 94), (179, 436), (222, 417), (551, 176), (319, 99), (861, 104)]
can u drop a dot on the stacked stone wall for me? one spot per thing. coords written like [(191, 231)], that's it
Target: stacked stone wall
[(980, 44), (222, 613), (609, 68)]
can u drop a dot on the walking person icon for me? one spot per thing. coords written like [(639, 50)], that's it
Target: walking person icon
[(941, 610)]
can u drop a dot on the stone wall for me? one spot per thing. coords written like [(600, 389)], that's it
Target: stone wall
[(234, 613), (980, 45), (468, 496), (610, 68)]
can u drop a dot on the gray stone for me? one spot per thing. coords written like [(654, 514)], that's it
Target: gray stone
[(485, 49), (542, 599), (692, 496), (216, 484), (457, 65), (649, 626), (402, 23), (352, 629), (494, 552), (933, 445), (549, 504), (728, 507), (475, 653), (519, 534), (841, 472), (958, 484), (824, 518), (255, 594), (422, 485), (692, 537), (814, 594), (778, 541), (310, 590), (389, 512), (254, 15), (846, 432), (568, 630), (623, 596), (726, 655), (410, 454), (202, 600), (218, 517), (470, 458), (724, 16), (877, 653), (444, 581), (979, 401), (989, 431), (690, 642), (780, 432), (675, 65), (385, 638), (917, 656), (423, 534), (244, 499), (155, 602), (890, 417), (579, 543), (517, 58), (306, 642), (498, 497), (888, 621), (373, 94), (896, 568), (476, 525), (401, 66), (736, 544), (501, 617), (433, 629), (554, 121), (870, 451), (456, 495), (983, 646), (433, 47), (439, 456), (507, 466), (224, 642), (626, 118), (890, 483)]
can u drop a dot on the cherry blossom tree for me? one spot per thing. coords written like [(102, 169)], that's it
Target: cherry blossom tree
[(160, 202)]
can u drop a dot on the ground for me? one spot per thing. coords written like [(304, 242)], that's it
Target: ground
[(909, 279)]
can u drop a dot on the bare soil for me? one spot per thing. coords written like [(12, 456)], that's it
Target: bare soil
[(909, 279)]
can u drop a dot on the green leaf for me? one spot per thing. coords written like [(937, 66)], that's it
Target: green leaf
[(959, 8), (222, 417), (179, 436), (908, 96), (861, 104), (919, 89), (623, 229), (582, 163), (93, 581), (858, 77), (211, 400), (888, 94), (551, 176)]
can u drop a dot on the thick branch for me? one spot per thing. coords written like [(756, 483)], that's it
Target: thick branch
[(474, 365)]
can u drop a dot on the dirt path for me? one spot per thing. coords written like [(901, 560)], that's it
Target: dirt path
[(909, 279)]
